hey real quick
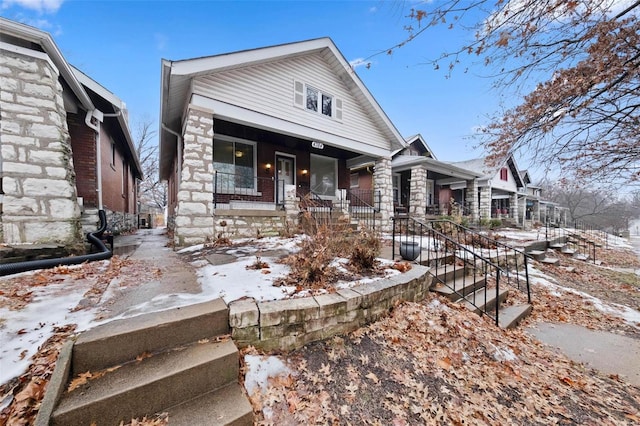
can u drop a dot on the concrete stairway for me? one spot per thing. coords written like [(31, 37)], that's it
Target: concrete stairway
[(541, 256), (180, 361), (477, 297)]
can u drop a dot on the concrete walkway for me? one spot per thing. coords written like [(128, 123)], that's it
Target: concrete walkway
[(176, 276), (607, 352)]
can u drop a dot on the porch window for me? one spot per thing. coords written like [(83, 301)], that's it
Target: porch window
[(324, 175), (354, 180), (235, 162)]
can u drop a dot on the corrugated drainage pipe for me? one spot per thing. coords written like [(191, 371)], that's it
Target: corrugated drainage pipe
[(92, 237)]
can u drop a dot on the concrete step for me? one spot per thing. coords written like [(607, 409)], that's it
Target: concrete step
[(478, 298), (143, 388), (120, 341), (226, 406), (557, 246), (538, 254), (449, 272), (510, 316), (568, 251), (582, 257), (550, 261), (432, 259), (461, 286)]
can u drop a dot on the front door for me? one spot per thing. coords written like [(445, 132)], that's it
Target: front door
[(285, 175)]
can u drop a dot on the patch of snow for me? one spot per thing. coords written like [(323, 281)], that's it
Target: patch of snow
[(260, 369), (503, 354), (191, 249)]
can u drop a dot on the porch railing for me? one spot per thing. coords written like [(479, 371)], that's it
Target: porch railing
[(513, 261), (364, 206), (229, 187), (450, 258)]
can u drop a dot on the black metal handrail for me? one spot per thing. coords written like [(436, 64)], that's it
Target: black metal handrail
[(513, 261), (363, 206), (448, 257), (583, 238), (229, 187)]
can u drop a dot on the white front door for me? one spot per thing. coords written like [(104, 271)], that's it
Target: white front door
[(285, 175)]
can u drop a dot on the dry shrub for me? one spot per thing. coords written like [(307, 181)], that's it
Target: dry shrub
[(366, 247)]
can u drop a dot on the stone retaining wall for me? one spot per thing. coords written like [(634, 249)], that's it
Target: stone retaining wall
[(292, 323), (250, 223)]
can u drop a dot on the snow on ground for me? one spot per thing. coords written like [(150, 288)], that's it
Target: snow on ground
[(631, 316), (23, 331)]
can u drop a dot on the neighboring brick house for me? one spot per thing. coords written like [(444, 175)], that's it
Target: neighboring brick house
[(244, 134), (52, 119)]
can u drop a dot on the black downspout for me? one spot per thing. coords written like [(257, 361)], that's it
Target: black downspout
[(92, 237)]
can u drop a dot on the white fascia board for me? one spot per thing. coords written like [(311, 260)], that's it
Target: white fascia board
[(98, 88), (193, 67), (43, 38), (255, 119)]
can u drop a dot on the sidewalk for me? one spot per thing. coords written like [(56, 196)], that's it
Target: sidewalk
[(175, 276)]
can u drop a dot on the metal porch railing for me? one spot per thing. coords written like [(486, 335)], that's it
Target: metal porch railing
[(448, 255), (228, 187)]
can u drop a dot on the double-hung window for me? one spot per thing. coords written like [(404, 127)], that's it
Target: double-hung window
[(316, 100), (235, 164)]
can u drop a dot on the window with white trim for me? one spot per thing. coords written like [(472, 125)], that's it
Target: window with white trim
[(324, 175), (316, 100)]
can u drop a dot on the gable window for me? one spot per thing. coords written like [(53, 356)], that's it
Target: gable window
[(316, 100), (235, 162), (504, 174)]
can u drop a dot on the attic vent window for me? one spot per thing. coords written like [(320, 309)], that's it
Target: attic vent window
[(317, 101)]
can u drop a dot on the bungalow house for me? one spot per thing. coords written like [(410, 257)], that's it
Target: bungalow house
[(424, 186), (498, 187), (529, 200), (244, 135), (66, 146)]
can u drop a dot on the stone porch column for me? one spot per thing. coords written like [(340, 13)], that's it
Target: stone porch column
[(485, 202), (513, 204), (418, 192), (472, 199), (382, 182), (194, 220)]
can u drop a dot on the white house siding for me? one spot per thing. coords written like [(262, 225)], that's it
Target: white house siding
[(268, 89), (40, 201), (509, 185)]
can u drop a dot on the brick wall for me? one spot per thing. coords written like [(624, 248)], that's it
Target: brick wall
[(83, 144)]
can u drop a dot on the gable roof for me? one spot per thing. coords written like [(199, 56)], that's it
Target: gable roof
[(406, 162), (418, 140), (16, 37), (177, 76), (479, 165)]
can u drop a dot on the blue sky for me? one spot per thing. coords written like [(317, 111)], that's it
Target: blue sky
[(120, 44)]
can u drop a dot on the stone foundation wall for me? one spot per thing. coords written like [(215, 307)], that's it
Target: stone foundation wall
[(38, 179), (251, 223), (292, 323)]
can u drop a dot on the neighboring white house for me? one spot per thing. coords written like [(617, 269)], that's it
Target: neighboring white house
[(498, 187), (245, 133)]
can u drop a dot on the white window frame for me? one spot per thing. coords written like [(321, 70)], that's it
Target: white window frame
[(300, 100)]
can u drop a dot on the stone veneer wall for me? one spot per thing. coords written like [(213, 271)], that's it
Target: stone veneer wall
[(485, 202), (194, 221), (292, 323), (418, 193), (513, 211), (382, 182), (250, 223), (40, 201), (472, 199)]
